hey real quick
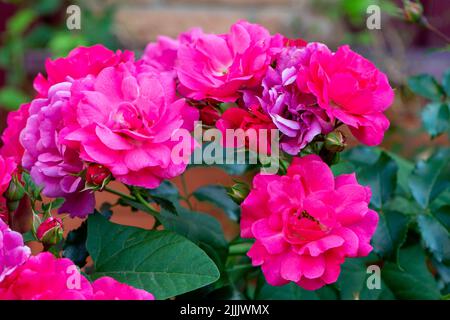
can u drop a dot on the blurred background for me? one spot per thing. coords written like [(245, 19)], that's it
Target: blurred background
[(32, 31)]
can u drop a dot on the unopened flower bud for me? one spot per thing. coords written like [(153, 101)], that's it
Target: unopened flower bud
[(97, 175), (238, 192), (335, 141), (413, 11), (50, 232), (15, 191), (209, 115)]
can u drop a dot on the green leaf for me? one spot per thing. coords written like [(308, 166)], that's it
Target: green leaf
[(413, 280), (443, 216), (160, 262), (217, 195), (202, 229), (75, 245), (390, 234), (382, 179), (435, 236), (289, 291), (352, 283), (436, 118), (166, 195), (11, 98), (361, 155), (446, 82), (430, 178), (426, 86), (20, 22)]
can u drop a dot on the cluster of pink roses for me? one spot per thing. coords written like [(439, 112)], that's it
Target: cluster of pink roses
[(44, 277), (100, 114)]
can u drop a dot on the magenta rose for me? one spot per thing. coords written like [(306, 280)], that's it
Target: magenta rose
[(126, 118), (79, 63), (106, 288), (306, 223), (11, 135), (13, 252), (217, 66), (349, 87), (251, 121), (44, 277)]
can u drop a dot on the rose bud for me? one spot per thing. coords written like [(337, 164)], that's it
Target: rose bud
[(335, 141), (50, 232), (97, 175), (209, 115), (238, 192), (15, 191), (413, 11)]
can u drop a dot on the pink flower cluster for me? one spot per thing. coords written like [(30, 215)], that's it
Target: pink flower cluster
[(303, 88), (98, 107), (44, 277), (13, 252), (305, 236)]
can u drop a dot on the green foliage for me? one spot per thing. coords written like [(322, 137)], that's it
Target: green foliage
[(217, 195), (160, 262), (430, 178), (390, 234), (436, 114), (412, 279)]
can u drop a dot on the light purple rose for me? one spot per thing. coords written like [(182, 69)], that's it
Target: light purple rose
[(295, 114), (53, 165), (13, 252)]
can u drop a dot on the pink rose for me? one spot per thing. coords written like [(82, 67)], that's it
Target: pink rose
[(10, 138), (217, 66), (52, 165), (44, 277), (13, 252), (306, 223), (349, 87), (162, 54), (106, 288), (126, 118), (80, 62), (250, 121), (7, 168)]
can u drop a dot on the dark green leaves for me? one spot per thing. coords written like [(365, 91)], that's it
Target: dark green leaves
[(412, 280), (202, 229), (435, 234), (382, 179), (436, 118), (430, 178), (75, 245), (390, 234), (426, 86), (435, 115), (160, 262), (217, 195)]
